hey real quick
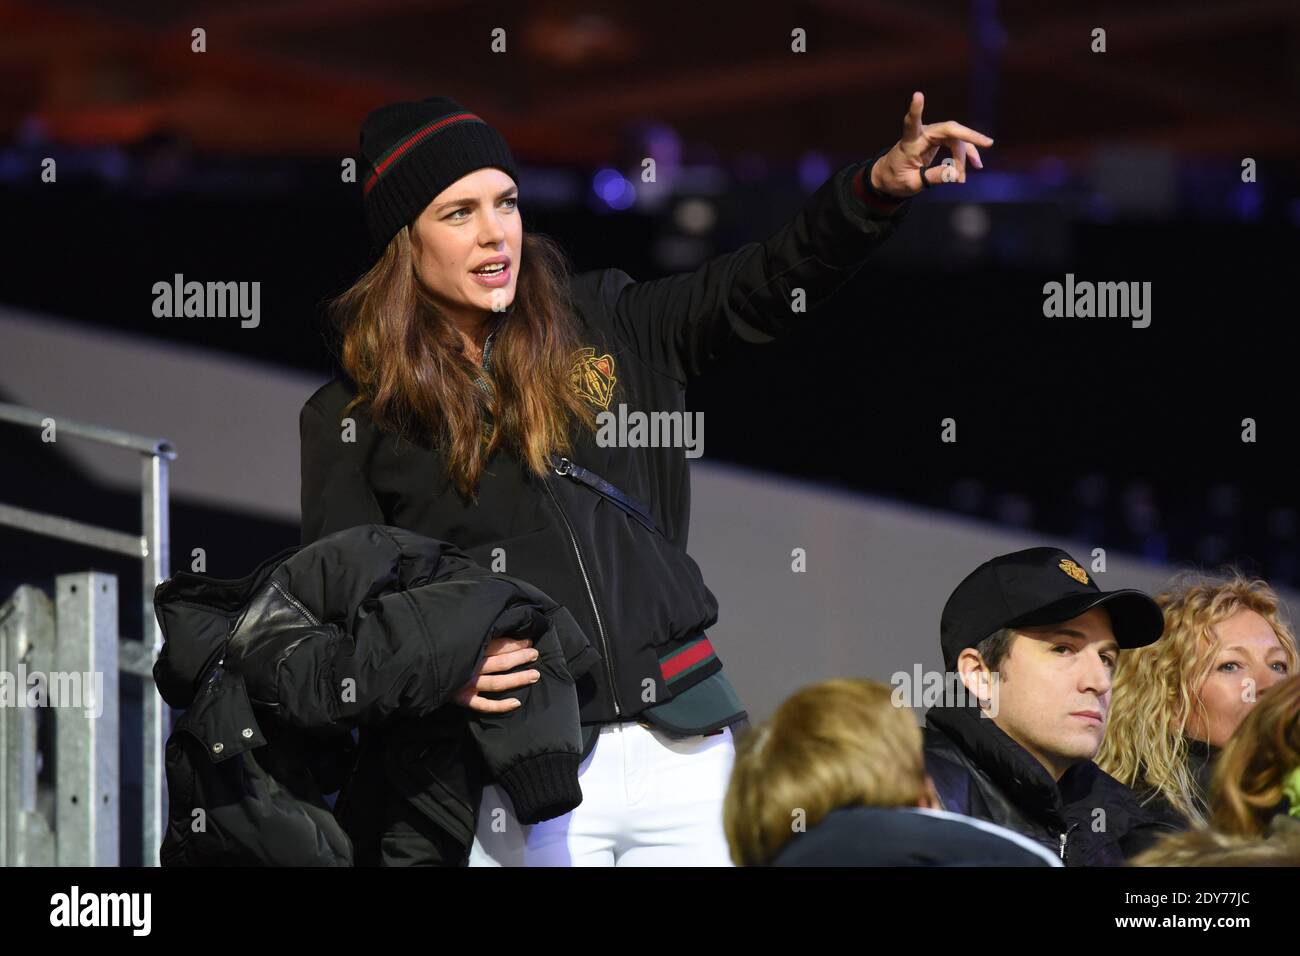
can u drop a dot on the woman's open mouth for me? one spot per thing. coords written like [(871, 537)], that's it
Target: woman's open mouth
[(492, 276)]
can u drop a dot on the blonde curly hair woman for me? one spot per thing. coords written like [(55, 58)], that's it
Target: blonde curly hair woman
[(1255, 794), (1177, 702)]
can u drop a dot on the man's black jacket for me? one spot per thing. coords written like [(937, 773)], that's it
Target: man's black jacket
[(633, 588), (1089, 818), (907, 836), (372, 627)]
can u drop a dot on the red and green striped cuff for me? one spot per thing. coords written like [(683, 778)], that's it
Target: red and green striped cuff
[(691, 657)]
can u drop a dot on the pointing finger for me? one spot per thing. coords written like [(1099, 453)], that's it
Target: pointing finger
[(912, 119)]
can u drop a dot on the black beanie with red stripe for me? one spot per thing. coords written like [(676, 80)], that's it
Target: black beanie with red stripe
[(410, 152)]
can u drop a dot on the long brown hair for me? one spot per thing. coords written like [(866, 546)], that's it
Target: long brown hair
[(408, 362), (1250, 775)]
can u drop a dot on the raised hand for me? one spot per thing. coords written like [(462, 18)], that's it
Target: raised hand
[(898, 172)]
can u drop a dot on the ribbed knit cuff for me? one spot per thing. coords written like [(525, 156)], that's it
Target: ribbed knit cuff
[(543, 787)]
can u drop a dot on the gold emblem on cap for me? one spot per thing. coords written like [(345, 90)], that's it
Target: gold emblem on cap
[(1074, 571)]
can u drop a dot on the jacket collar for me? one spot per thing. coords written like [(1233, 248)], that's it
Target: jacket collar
[(1201, 754), (1024, 781), (222, 718), (1201, 757), (482, 379), (487, 343), (196, 614)]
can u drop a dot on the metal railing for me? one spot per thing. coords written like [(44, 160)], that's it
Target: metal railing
[(65, 651), (151, 547)]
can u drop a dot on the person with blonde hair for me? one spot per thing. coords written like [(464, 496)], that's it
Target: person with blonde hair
[(837, 778), (1255, 794), (1177, 702)]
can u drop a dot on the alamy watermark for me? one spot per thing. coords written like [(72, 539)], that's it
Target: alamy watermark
[(922, 689), (1101, 300), (637, 429), (128, 910), (208, 300), (58, 689)]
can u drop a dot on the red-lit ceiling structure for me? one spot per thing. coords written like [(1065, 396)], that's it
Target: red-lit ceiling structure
[(296, 76)]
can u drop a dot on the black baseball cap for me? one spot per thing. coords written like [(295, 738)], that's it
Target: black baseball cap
[(1039, 586)]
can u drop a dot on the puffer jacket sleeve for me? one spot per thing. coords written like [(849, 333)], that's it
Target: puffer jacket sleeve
[(414, 649), (335, 576), (404, 654), (533, 752), (682, 323)]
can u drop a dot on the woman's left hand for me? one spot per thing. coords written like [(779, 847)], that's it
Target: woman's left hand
[(899, 171)]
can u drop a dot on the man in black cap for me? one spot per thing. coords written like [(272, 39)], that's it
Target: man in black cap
[(1035, 641)]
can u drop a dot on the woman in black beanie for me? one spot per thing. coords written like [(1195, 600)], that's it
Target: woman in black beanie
[(479, 378)]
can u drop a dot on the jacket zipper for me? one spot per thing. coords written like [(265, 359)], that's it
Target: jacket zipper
[(1064, 834), (582, 567), (600, 627)]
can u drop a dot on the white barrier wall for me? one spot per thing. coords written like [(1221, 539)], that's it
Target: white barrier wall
[(878, 574), (234, 422)]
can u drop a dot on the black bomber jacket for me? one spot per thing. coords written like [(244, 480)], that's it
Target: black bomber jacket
[(631, 584)]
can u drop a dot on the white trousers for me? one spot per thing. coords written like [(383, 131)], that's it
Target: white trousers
[(648, 799)]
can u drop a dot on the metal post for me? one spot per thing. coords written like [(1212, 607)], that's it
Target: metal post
[(83, 697), (26, 646), (157, 536)]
